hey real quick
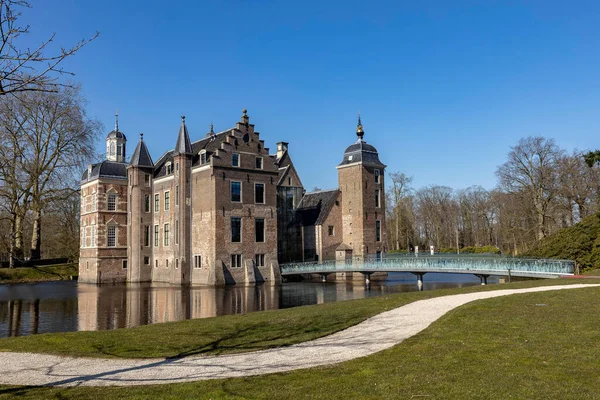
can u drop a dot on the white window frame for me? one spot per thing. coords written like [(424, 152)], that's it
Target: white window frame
[(261, 162), (166, 233), (331, 230), (169, 168), (238, 160), (111, 196), (377, 174), (156, 202), (377, 198), (236, 261), (156, 235), (231, 229), (147, 202), (203, 157), (167, 200), (108, 236), (147, 180)]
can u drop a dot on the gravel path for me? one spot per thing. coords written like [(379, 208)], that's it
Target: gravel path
[(375, 334)]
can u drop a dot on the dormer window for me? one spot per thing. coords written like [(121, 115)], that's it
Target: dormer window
[(203, 158), (169, 168)]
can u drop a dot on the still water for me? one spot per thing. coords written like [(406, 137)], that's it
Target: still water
[(27, 309)]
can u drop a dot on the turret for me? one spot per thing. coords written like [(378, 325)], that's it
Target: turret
[(116, 143)]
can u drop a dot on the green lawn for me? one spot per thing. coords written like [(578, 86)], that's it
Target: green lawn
[(57, 272), (527, 346), (231, 333)]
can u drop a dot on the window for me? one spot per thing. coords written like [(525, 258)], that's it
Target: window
[(156, 241), (112, 202), (259, 260), (235, 160), (377, 176), (167, 200), (236, 192), (147, 179), (203, 158), (124, 263), (259, 230), (197, 261), (169, 168), (331, 230), (147, 203), (289, 181), (93, 201), (259, 162), (378, 231), (236, 261), (111, 236), (177, 194), (84, 240), (377, 198), (259, 193), (87, 265), (177, 263), (146, 260), (155, 263), (156, 202), (236, 229), (146, 235), (167, 263), (93, 238), (166, 233), (176, 231)]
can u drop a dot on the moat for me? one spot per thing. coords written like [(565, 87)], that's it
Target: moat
[(65, 306)]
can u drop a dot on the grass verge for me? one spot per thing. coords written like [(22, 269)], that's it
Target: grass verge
[(533, 345), (231, 333), (59, 272)]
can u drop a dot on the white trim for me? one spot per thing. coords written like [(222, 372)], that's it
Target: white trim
[(163, 179), (231, 192), (201, 168)]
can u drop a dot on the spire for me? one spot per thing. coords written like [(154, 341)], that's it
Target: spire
[(117, 120), (141, 155), (359, 129), (183, 145), (212, 131)]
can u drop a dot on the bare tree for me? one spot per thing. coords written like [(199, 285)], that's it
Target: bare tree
[(28, 69), (531, 170), (400, 210)]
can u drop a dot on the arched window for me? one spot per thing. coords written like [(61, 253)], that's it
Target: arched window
[(112, 149)]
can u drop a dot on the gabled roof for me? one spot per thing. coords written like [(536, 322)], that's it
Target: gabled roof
[(315, 206), (141, 155)]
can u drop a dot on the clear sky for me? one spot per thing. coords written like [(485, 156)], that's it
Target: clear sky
[(444, 88)]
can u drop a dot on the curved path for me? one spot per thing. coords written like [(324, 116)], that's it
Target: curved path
[(375, 334)]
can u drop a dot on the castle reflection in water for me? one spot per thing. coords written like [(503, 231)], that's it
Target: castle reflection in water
[(27, 309)]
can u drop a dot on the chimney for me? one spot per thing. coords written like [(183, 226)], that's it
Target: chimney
[(281, 148)]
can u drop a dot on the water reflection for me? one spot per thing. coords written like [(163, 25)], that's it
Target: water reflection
[(27, 309)]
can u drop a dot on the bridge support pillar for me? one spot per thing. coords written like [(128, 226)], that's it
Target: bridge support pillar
[(367, 278), (324, 278), (483, 278), (419, 280)]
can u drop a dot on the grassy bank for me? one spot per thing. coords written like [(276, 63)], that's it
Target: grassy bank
[(230, 333), (534, 345), (38, 274)]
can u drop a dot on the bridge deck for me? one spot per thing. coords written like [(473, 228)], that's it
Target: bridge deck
[(502, 266)]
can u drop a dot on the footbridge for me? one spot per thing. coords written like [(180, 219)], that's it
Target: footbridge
[(481, 266)]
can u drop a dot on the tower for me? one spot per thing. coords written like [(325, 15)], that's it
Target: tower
[(182, 158), (361, 181), (139, 251), (116, 143)]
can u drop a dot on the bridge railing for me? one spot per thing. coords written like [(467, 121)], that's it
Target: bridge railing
[(437, 263)]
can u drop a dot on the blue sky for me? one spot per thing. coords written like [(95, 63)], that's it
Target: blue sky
[(444, 88)]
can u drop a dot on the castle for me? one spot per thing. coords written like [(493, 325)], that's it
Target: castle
[(222, 210)]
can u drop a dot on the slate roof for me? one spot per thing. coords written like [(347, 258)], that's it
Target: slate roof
[(141, 156), (183, 145), (106, 169), (363, 152), (116, 134), (315, 206)]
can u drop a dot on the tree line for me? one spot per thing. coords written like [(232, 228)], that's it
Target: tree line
[(541, 188)]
